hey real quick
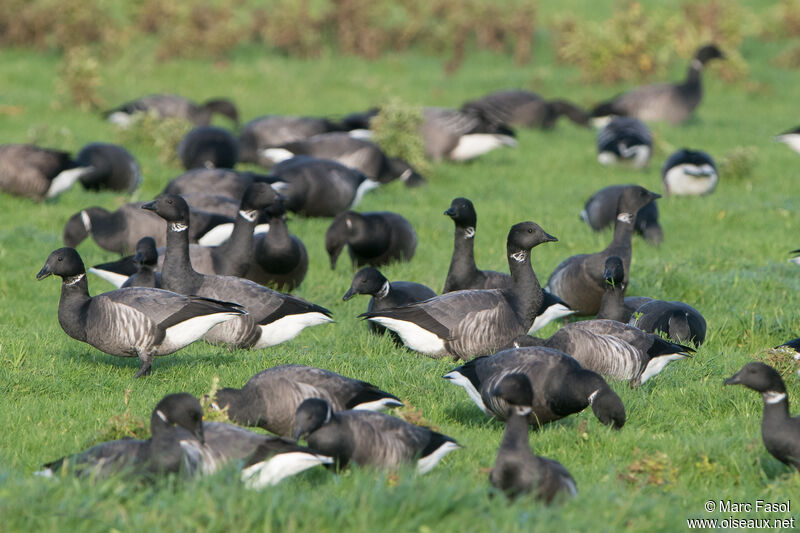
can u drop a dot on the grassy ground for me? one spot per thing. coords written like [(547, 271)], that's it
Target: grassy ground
[(687, 439)]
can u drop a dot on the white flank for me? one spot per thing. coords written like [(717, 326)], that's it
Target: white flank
[(456, 378), (601, 122), (361, 133), (477, 144), (413, 336), (121, 119), (638, 154), (571, 488), (425, 464), (216, 235), (657, 364), (384, 404), (280, 187), (585, 215), (287, 328), (47, 472), (689, 180), (276, 468), (188, 331), (554, 312), (606, 158), (112, 277), (197, 458), (65, 180), (773, 397), (276, 155), (261, 228), (792, 140), (795, 260), (366, 185)]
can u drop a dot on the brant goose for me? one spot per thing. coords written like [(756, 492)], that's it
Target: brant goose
[(466, 324), (360, 154), (516, 107), (272, 131), (270, 399), (791, 139), (673, 102), (272, 317), (679, 321), (689, 172), (218, 181), (385, 295), (517, 469), (369, 439), (176, 426), (615, 305), (375, 238), (172, 106), (37, 173), (561, 385), (464, 273), (460, 136), (138, 270), (601, 208), (579, 280), (134, 322), (779, 431), (624, 140), (109, 167), (208, 147)]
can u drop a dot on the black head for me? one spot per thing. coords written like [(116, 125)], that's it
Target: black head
[(170, 207), (64, 262), (311, 415), (181, 409), (79, 225), (401, 169), (146, 252), (258, 196), (759, 377), (515, 389), (708, 52), (526, 235), (614, 273), (224, 107), (607, 406), (276, 209), (344, 226), (633, 198), (685, 156), (462, 212), (368, 280), (678, 326)]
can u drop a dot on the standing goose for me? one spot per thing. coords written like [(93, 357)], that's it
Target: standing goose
[(517, 469), (579, 280), (272, 317), (208, 147), (779, 431), (679, 321), (460, 136), (466, 324), (385, 295), (135, 322), (689, 172), (516, 107), (374, 238), (37, 173), (790, 138), (270, 399), (624, 140), (109, 167), (561, 385), (673, 102), (601, 208), (176, 426), (615, 305), (172, 106), (369, 439), (464, 273)]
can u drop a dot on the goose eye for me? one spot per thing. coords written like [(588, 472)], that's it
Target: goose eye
[(60, 258), (530, 230), (169, 202)]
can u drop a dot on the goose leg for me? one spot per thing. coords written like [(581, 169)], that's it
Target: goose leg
[(146, 360)]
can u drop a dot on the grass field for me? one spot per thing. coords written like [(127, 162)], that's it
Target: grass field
[(687, 440)]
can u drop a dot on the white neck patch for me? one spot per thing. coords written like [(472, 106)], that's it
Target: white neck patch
[(520, 256), (72, 280), (697, 64), (522, 410), (469, 232), (161, 415), (405, 175), (178, 227), (328, 415), (773, 397), (625, 217), (87, 221), (384, 290), (593, 395), (249, 216)]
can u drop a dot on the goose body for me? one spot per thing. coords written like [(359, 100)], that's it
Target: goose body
[(625, 140), (460, 136), (208, 147), (689, 172), (465, 324), (279, 259), (270, 398), (560, 384), (790, 138), (579, 280), (615, 305), (367, 438), (516, 107), (679, 321), (601, 208), (108, 167), (272, 131), (37, 173), (216, 181), (779, 431), (374, 238), (172, 106)]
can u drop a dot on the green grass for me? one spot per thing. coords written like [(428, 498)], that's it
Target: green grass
[(693, 440)]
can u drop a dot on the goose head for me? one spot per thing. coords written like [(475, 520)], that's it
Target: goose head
[(607, 406), (311, 415), (526, 235), (146, 252), (181, 409), (633, 198), (758, 376), (171, 207), (64, 262), (368, 280), (462, 212), (614, 273), (516, 389), (708, 52)]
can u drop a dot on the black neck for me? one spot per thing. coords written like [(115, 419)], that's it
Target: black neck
[(462, 264), (72, 307), (515, 437), (612, 305), (777, 412), (243, 407), (524, 284), (235, 254), (177, 274)]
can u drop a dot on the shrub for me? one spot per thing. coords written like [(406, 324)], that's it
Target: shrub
[(79, 79), (739, 163), (396, 131), (163, 133)]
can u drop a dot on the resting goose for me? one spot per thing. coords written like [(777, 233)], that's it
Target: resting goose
[(208, 147), (134, 322), (172, 106), (367, 438), (679, 321), (625, 140), (790, 138), (270, 399), (272, 131), (459, 136), (601, 208), (465, 324), (176, 426), (37, 173), (779, 431), (516, 107), (689, 172), (216, 181), (517, 469), (579, 280), (614, 304), (374, 238), (109, 167), (673, 102), (145, 263), (561, 385), (272, 317)]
